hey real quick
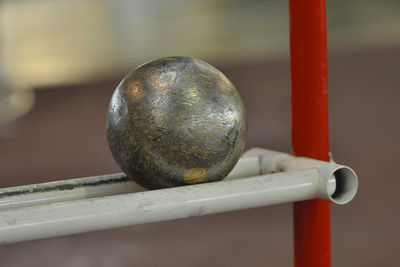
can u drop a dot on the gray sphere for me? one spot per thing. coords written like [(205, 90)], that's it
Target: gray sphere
[(176, 121)]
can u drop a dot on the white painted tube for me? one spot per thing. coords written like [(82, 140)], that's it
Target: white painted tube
[(103, 202), (255, 162), (95, 186), (342, 178), (66, 190), (72, 217)]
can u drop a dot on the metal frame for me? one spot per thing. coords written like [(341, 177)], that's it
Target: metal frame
[(103, 202)]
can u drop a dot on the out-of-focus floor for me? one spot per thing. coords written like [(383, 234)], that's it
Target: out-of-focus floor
[(64, 137)]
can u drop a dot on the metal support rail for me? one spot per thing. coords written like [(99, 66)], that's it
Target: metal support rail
[(110, 201)]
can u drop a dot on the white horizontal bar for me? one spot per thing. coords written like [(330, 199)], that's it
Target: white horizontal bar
[(102, 202), (66, 190), (96, 186), (72, 217)]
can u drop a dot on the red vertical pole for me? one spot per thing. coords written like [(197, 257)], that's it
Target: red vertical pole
[(308, 57)]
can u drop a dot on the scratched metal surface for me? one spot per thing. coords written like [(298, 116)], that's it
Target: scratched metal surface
[(176, 121)]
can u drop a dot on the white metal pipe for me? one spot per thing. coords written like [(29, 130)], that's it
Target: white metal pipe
[(95, 186), (72, 217), (66, 190), (342, 179), (102, 202)]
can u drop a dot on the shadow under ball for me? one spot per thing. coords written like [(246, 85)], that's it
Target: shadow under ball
[(176, 121)]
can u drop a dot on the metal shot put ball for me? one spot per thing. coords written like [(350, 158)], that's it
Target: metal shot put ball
[(176, 121)]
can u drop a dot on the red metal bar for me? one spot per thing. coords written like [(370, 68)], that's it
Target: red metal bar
[(308, 56)]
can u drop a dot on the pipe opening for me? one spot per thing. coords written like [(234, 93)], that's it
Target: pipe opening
[(346, 185)]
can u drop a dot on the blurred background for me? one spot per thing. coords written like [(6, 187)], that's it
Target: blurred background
[(60, 62)]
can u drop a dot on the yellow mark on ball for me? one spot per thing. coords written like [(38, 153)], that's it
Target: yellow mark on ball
[(195, 175)]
